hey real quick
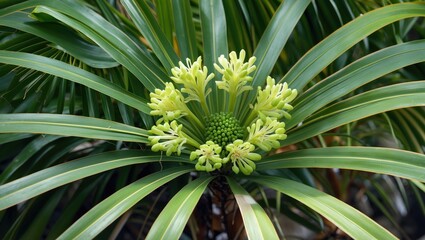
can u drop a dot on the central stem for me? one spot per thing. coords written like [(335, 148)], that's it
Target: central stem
[(232, 102)]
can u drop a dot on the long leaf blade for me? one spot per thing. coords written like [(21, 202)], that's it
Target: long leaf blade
[(275, 37), (185, 29), (107, 211), (42, 181), (355, 75), (214, 31), (172, 220), (257, 223), (214, 36), (341, 40), (111, 39), (75, 74), (30, 149), (360, 106), (389, 161), (144, 20), (347, 218), (90, 54), (69, 125)]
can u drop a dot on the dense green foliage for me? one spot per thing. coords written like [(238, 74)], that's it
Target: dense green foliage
[(77, 120)]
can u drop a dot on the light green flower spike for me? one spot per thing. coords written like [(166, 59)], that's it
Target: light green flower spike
[(209, 157), (169, 103), (266, 135), (235, 75), (194, 78), (242, 157), (169, 138), (273, 101)]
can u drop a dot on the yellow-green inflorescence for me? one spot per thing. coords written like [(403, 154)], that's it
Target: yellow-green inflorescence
[(221, 140)]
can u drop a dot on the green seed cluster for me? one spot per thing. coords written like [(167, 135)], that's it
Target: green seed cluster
[(222, 128)]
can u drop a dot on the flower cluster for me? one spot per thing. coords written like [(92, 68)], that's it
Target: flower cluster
[(235, 75), (221, 136)]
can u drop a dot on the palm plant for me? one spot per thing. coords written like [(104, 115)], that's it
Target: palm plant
[(104, 128)]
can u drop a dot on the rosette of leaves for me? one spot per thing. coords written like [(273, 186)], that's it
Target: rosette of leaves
[(78, 133)]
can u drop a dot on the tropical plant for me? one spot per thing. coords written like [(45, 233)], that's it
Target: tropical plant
[(172, 119)]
